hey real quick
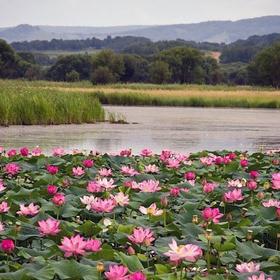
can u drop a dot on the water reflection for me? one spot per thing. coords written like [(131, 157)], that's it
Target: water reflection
[(179, 129)]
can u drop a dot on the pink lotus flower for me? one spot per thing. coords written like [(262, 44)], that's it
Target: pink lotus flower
[(128, 171), (271, 203), (106, 184), (175, 191), (49, 227), (4, 207), (142, 236), (244, 162), (29, 210), (116, 272), (58, 199), (149, 186), (2, 150), (121, 199), (12, 169), (74, 246), (24, 151), (52, 169), (233, 196), (173, 163), (78, 171), (94, 187), (276, 181), (187, 252), (189, 176), (248, 267), (2, 186), (58, 152), (93, 245), (210, 214), (151, 168), (36, 152), (209, 187), (254, 174), (260, 277), (207, 160), (252, 185), (88, 201), (165, 155), (137, 276), (103, 206), (2, 227), (88, 163), (235, 183), (219, 160), (7, 245), (232, 156), (151, 210), (12, 153), (105, 172), (146, 153), (52, 189), (126, 153)]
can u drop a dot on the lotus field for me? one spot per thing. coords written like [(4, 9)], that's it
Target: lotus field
[(135, 217)]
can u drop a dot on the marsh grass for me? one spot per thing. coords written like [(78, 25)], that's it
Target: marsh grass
[(26, 106), (161, 95)]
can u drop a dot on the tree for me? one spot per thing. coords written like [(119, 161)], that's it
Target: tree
[(160, 72), (265, 68), (102, 75), (110, 60), (72, 76), (185, 64), (66, 64)]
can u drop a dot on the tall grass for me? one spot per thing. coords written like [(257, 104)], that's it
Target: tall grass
[(25, 106)]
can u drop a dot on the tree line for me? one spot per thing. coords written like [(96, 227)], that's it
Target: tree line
[(179, 64)]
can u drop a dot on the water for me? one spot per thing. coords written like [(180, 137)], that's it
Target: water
[(179, 129)]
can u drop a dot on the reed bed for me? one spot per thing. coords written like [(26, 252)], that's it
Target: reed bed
[(27, 106)]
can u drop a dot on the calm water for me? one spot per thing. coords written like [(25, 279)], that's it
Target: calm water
[(179, 129)]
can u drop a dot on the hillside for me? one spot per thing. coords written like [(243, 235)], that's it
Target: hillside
[(212, 31)]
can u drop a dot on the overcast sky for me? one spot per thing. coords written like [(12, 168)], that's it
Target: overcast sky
[(130, 12)]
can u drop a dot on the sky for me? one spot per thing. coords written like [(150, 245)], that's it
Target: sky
[(129, 12)]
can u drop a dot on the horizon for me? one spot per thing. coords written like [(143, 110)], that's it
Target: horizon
[(92, 13), (110, 26)]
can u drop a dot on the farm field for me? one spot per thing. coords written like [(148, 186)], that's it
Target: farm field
[(169, 216)]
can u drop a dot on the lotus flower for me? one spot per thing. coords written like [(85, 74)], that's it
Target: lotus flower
[(52, 169), (49, 227), (128, 171), (142, 236), (58, 152), (149, 186), (117, 272), (103, 206), (121, 199), (187, 252), (248, 267), (233, 196), (137, 276), (12, 169), (210, 214), (73, 246), (93, 245), (7, 245), (88, 201), (151, 168), (78, 171), (276, 181), (209, 187), (105, 172), (88, 163), (29, 210), (151, 210), (58, 199), (4, 207), (146, 153), (2, 187), (271, 203), (260, 277)]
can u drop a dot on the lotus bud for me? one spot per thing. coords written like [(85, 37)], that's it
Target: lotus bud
[(164, 201), (229, 217), (100, 267), (18, 226), (130, 251), (266, 185), (195, 219), (260, 195), (208, 234), (249, 235)]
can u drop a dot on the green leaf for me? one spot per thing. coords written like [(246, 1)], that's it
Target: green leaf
[(132, 262)]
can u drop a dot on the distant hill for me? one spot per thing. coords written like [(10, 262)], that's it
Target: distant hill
[(212, 31)]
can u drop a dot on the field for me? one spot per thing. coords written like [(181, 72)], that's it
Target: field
[(206, 216), (166, 95)]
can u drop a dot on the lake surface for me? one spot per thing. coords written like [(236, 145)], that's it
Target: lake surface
[(178, 129)]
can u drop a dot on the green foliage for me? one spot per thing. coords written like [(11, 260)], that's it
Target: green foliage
[(265, 68), (160, 73)]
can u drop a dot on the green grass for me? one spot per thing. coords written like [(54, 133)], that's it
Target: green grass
[(26, 106)]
